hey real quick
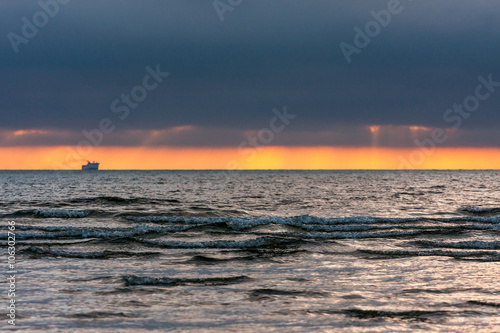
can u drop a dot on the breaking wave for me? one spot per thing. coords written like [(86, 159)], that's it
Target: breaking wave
[(132, 280), (99, 201), (121, 201), (74, 232), (306, 220), (461, 245), (481, 303), (408, 315), (61, 213), (50, 213), (480, 211), (270, 294), (99, 315), (40, 253), (205, 260), (411, 253), (268, 242)]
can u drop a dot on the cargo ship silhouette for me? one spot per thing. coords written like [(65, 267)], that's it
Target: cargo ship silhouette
[(91, 166)]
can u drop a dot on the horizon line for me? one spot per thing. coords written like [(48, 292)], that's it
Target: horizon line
[(229, 170)]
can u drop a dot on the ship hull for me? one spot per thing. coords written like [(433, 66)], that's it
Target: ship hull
[(90, 167), (85, 168)]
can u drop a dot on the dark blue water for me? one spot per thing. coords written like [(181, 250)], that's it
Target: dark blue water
[(364, 251)]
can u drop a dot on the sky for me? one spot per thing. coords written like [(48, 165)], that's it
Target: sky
[(250, 84)]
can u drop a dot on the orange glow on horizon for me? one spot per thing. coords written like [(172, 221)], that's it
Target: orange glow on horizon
[(29, 132), (146, 158), (419, 128)]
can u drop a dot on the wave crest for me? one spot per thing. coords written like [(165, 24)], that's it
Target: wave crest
[(480, 211), (132, 280)]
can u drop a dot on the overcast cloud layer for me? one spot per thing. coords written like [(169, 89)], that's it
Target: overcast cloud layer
[(226, 77)]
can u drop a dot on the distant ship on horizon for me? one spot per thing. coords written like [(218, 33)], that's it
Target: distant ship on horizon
[(91, 166)]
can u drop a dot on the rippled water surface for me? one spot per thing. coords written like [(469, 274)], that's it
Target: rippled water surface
[(359, 251)]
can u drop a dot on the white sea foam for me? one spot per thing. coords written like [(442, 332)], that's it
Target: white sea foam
[(169, 281), (57, 232), (61, 213)]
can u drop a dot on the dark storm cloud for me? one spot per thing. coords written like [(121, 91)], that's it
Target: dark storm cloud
[(192, 137), (227, 76)]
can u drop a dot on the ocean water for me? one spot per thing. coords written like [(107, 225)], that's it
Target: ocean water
[(254, 251)]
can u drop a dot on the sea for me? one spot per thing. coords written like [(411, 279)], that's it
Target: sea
[(252, 251)]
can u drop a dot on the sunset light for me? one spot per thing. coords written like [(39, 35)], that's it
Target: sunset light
[(318, 158), (250, 166)]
